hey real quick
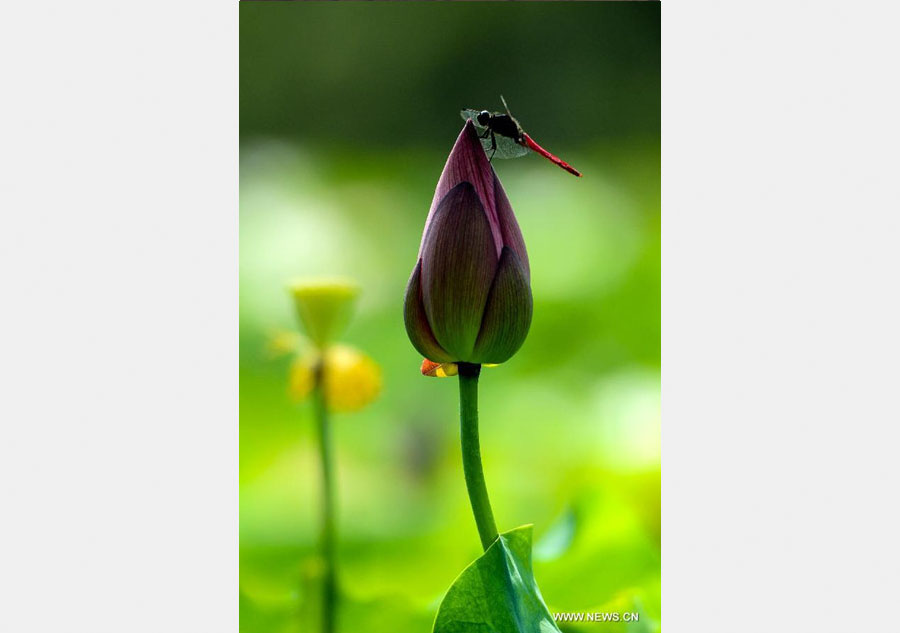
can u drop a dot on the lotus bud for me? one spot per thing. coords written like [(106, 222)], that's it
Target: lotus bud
[(469, 296)]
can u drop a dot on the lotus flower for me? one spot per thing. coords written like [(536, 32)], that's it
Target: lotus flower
[(469, 297)]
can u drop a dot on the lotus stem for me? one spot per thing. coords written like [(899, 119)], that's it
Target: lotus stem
[(471, 453)]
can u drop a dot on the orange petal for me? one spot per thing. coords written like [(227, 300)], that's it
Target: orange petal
[(438, 370)]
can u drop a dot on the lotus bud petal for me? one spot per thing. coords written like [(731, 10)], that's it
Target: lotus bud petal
[(439, 370)]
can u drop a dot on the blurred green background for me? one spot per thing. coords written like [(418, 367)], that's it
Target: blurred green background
[(348, 111)]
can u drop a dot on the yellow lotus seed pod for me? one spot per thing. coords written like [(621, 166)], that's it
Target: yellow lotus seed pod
[(324, 307)]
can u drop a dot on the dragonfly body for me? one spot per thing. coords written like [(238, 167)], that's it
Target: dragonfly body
[(503, 136), (502, 124)]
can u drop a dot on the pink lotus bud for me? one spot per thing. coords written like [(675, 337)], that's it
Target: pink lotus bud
[(469, 296)]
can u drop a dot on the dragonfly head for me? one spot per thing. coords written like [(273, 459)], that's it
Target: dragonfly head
[(483, 118)]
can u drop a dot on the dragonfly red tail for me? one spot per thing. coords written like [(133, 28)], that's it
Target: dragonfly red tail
[(540, 150)]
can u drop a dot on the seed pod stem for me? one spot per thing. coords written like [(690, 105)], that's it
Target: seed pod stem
[(328, 526)]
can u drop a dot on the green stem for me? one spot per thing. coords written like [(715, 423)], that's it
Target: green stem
[(471, 453), (328, 526)]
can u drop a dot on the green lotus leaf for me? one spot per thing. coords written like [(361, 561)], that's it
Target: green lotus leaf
[(497, 593)]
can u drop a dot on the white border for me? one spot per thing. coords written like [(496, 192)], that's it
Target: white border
[(118, 256), (780, 316)]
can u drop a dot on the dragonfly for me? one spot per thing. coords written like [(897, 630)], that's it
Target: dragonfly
[(503, 137)]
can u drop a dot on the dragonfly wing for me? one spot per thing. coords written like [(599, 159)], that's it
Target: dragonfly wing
[(506, 148)]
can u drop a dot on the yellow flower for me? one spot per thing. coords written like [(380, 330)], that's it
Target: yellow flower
[(352, 379)]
